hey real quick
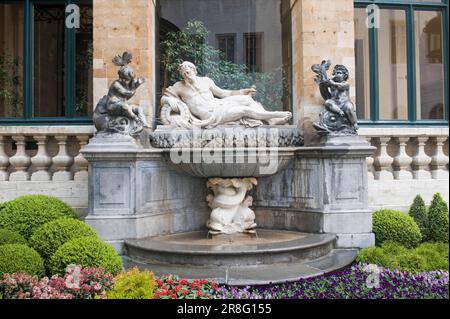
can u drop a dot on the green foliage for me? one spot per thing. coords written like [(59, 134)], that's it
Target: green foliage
[(392, 225), (11, 237), (438, 220), (27, 213), (86, 252), (20, 258), (133, 284), (418, 211), (49, 237), (191, 45), (426, 257)]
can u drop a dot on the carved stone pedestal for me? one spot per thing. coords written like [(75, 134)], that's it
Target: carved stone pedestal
[(230, 206)]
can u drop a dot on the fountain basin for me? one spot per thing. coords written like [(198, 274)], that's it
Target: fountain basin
[(228, 151)]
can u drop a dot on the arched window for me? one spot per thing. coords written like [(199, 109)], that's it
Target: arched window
[(401, 61), (236, 43)]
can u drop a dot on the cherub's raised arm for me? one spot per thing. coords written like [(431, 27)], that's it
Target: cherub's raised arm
[(122, 90), (340, 85)]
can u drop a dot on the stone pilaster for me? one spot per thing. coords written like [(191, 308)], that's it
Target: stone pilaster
[(125, 25), (320, 29)]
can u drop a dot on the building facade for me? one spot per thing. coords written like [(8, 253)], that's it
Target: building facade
[(54, 67)]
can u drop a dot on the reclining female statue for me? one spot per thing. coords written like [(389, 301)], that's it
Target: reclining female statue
[(202, 103)]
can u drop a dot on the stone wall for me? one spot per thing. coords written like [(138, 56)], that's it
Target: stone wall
[(125, 25)]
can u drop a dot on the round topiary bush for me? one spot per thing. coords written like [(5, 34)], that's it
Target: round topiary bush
[(438, 220), (49, 237), (396, 226), (418, 211), (86, 252), (25, 214), (20, 258), (11, 237)]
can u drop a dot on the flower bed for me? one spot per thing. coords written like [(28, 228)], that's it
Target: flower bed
[(77, 283), (172, 287), (351, 283)]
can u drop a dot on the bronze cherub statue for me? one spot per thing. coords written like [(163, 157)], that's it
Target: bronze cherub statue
[(339, 117), (113, 113)]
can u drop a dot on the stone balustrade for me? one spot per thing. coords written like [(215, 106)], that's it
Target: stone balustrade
[(408, 153), (43, 153)]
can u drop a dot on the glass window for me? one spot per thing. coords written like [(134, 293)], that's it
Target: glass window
[(11, 60), (362, 61), (226, 40), (227, 45), (392, 65), (54, 79), (400, 63), (49, 34), (83, 59), (429, 65)]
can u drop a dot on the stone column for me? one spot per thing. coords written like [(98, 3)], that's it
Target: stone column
[(81, 163), (62, 160), (421, 160), (4, 160), (320, 29), (41, 160), (20, 161), (125, 26), (402, 162), (439, 160), (383, 161)]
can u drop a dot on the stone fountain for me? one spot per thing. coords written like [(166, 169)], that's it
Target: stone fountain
[(228, 190)]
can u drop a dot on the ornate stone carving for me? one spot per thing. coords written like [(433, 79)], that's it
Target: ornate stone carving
[(339, 116), (230, 206), (113, 113), (227, 137), (198, 101)]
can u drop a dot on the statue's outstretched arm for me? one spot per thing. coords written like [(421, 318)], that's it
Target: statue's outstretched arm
[(217, 91)]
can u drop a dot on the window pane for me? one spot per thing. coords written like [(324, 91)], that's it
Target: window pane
[(84, 72), (429, 65), (362, 65), (236, 43), (49, 70), (392, 64), (11, 60), (226, 45)]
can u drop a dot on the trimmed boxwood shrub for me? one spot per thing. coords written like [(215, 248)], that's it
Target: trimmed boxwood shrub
[(418, 211), (11, 237), (49, 237), (25, 214), (20, 258), (86, 252), (396, 226), (438, 220)]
